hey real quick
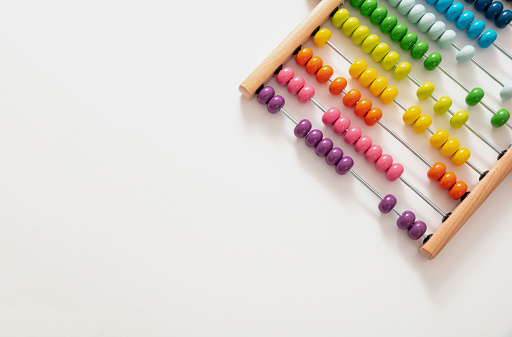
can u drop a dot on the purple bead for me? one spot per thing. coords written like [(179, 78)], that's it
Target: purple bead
[(387, 203), (301, 130), (417, 230), (265, 95), (344, 165), (314, 137), (275, 104), (406, 220), (323, 148), (334, 156)]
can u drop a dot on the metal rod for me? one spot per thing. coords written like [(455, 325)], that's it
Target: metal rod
[(456, 46), (290, 117), (422, 196), (502, 50)]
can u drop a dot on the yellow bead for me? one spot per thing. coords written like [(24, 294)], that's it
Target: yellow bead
[(411, 115), (425, 90), (459, 119), (439, 138), (461, 156), (390, 60), (321, 37), (450, 147), (422, 124), (388, 95), (357, 68), (378, 53), (378, 85), (369, 43), (349, 26), (339, 18), (360, 34), (367, 77), (402, 70), (442, 105)]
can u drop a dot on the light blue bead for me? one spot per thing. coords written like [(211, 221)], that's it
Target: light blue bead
[(405, 6), (416, 13), (454, 11), (465, 54), (506, 91), (394, 3), (426, 22), (436, 30), (443, 5), (446, 40), (431, 2), (487, 38), (475, 29), (464, 20)]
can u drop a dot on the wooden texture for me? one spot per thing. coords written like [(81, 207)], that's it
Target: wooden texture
[(264, 72), (480, 192)]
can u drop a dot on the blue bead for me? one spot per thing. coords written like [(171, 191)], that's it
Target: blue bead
[(487, 38), (504, 19), (481, 5), (475, 29), (443, 5), (464, 20), (431, 2), (469, 1), (454, 11), (493, 10)]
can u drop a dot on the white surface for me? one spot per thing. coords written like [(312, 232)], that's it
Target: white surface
[(143, 196)]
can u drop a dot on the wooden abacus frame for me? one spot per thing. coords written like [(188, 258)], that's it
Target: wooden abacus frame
[(462, 212)]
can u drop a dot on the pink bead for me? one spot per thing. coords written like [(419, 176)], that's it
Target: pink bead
[(383, 163), (284, 76), (295, 85), (330, 116), (363, 144), (341, 125), (352, 135), (394, 172), (306, 93), (373, 153)]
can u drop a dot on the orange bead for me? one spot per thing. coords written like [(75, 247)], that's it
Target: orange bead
[(313, 65), (303, 56), (337, 86), (373, 116), (458, 190), (447, 181), (436, 171), (351, 98), (324, 74), (362, 107)]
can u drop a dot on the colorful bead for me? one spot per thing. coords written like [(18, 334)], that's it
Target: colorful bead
[(362, 107), (432, 61), (323, 148), (454, 11), (425, 90), (447, 181), (360, 34), (394, 3), (387, 203), (388, 95), (447, 39), (367, 7), (275, 104), (474, 96), (500, 118), (503, 19), (341, 125), (324, 74), (416, 13), (464, 20), (450, 147), (493, 10), (439, 138), (487, 38), (378, 15), (265, 95), (457, 190), (367, 77), (373, 117), (443, 5), (305, 94), (295, 85), (362, 144), (349, 26), (422, 124), (475, 29), (506, 91), (302, 128), (398, 32), (350, 99), (378, 85), (388, 23), (408, 41), (394, 172), (334, 156), (419, 50), (356, 3), (405, 6), (461, 156), (339, 18), (406, 220), (411, 115), (369, 43), (356, 68), (378, 53), (344, 165), (417, 230), (465, 54), (436, 30), (402, 70), (303, 56), (459, 119), (442, 105), (373, 153), (383, 163), (313, 65), (426, 22), (330, 116), (436, 171), (285, 75), (321, 37), (352, 135), (390, 60), (337, 86), (313, 138)]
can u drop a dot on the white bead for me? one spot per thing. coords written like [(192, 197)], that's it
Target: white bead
[(405, 6), (436, 30), (506, 91), (394, 3), (447, 39), (465, 54), (416, 13), (426, 22)]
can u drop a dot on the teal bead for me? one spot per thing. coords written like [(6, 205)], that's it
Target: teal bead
[(432, 61), (368, 7), (398, 32), (500, 118), (378, 15), (356, 3), (408, 41), (419, 50), (474, 96), (388, 23)]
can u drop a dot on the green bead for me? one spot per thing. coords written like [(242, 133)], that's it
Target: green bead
[(459, 119), (419, 50), (408, 41), (356, 3), (368, 7), (432, 61), (474, 96), (398, 32), (500, 118), (378, 15), (388, 23)]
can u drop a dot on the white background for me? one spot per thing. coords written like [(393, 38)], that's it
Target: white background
[(141, 195)]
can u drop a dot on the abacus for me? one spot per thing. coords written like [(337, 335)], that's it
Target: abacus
[(275, 65)]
